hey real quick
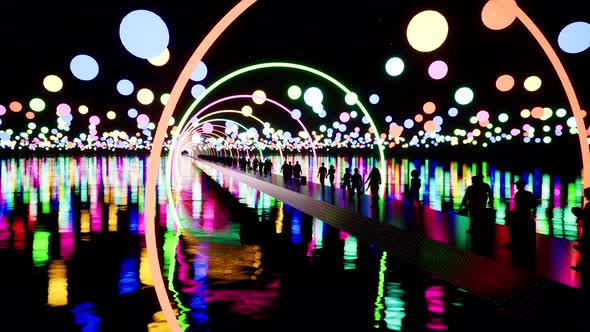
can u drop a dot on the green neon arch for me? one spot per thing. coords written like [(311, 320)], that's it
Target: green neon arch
[(294, 66)]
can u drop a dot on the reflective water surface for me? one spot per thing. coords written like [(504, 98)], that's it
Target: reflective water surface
[(73, 257)]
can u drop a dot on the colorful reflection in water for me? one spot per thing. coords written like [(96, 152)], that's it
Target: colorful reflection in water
[(444, 184), (71, 229)]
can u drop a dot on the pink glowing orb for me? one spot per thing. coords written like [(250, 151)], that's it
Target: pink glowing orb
[(438, 70)]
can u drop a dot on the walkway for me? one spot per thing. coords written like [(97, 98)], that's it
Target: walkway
[(436, 242)]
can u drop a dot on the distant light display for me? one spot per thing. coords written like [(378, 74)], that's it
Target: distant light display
[(200, 72), (427, 31), (438, 70), (394, 66), (53, 83), (144, 34), (84, 67), (125, 87), (574, 37)]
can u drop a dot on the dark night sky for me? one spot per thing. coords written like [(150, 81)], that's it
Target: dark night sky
[(350, 42)]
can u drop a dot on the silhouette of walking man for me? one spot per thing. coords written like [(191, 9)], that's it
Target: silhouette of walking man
[(477, 196)]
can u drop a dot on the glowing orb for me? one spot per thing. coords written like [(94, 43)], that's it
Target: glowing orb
[(388, 119), (142, 120), (161, 59), (132, 113), (498, 14), (537, 112), (394, 66), (84, 67), (438, 70), (37, 104), (438, 120), (575, 37), (15, 106), (111, 115), (525, 114), (145, 96), (63, 109), (351, 98), (247, 110), (259, 97), (30, 115), (409, 123), (418, 118), (429, 126), (52, 83), (482, 116), (125, 87), (197, 90), (322, 114), (503, 117), (374, 99), (453, 112), (429, 107), (427, 31), (561, 112), (2, 110), (464, 96), (296, 114), (83, 109), (200, 72), (344, 117), (144, 34), (94, 120), (313, 96), (505, 83), (547, 113), (294, 92), (532, 83), (207, 128)]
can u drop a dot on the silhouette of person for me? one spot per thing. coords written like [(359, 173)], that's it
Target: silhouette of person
[(520, 223), (373, 182), (584, 242), (322, 172), (477, 196), (346, 183), (357, 182), (331, 175), (255, 165), (287, 171), (267, 167), (297, 172), (415, 185), (260, 167)]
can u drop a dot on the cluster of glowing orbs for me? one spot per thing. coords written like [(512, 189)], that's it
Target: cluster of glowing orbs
[(464, 96), (351, 98), (94, 120), (395, 130), (296, 114), (499, 14), (83, 109), (197, 90), (161, 59), (144, 34), (125, 87), (438, 70), (37, 104), (505, 83), (430, 126), (52, 83), (145, 96), (453, 112), (313, 96), (427, 31), (258, 97), (344, 117), (574, 38), (111, 115), (532, 83), (374, 99), (394, 66), (247, 110), (132, 113), (200, 72), (294, 92), (429, 107), (84, 67)]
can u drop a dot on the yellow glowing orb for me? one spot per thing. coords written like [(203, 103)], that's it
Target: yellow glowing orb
[(259, 97), (427, 31), (52, 83), (161, 59), (145, 96), (83, 109), (532, 83), (164, 98), (247, 110), (111, 115)]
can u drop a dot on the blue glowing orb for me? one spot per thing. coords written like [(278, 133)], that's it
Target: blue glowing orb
[(197, 90), (84, 67), (125, 87), (200, 72), (575, 37), (144, 34)]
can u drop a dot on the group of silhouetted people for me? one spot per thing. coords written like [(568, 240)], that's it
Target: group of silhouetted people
[(292, 173)]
